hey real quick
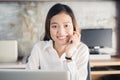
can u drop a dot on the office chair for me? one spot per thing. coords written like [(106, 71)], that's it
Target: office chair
[(89, 69)]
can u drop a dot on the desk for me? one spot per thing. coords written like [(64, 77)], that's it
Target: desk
[(101, 63), (16, 65), (112, 62)]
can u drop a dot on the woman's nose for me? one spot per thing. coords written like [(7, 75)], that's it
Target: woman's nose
[(61, 31)]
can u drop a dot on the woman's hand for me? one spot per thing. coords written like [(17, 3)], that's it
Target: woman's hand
[(72, 44)]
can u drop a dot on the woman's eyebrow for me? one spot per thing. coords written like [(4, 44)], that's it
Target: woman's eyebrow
[(57, 23), (67, 22), (53, 23)]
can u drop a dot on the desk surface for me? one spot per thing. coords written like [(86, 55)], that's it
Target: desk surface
[(101, 63), (105, 72), (113, 62)]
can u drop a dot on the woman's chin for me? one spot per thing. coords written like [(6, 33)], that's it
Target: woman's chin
[(63, 43)]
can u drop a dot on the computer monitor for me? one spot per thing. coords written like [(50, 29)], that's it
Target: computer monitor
[(96, 38), (8, 51)]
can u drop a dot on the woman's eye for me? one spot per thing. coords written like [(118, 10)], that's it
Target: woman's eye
[(54, 26), (66, 25)]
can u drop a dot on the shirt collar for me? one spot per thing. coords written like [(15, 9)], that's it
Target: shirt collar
[(49, 44)]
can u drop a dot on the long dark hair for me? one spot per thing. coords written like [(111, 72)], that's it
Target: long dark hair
[(56, 9)]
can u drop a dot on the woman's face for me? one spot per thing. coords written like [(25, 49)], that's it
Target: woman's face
[(61, 28)]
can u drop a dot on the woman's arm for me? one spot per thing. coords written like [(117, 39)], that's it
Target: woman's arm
[(33, 60), (78, 66)]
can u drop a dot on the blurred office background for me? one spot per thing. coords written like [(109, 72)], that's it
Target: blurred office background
[(24, 21)]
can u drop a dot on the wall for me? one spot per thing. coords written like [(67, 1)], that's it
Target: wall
[(24, 21)]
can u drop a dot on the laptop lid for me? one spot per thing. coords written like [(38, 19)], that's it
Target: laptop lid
[(8, 51), (33, 75)]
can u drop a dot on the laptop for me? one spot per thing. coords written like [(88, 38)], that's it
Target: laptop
[(8, 51), (33, 75)]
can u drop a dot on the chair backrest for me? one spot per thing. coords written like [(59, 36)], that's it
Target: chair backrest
[(89, 69)]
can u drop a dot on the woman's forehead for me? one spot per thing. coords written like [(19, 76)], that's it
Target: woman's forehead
[(61, 17)]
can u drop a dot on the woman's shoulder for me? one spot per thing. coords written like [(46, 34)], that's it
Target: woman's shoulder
[(83, 45), (83, 51), (42, 44), (83, 48)]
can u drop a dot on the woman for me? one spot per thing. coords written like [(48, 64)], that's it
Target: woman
[(61, 48)]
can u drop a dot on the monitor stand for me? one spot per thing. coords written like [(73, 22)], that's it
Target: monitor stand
[(95, 55), (94, 50)]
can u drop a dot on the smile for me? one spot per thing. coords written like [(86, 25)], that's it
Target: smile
[(61, 37)]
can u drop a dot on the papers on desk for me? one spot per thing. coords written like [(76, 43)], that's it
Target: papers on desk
[(100, 57)]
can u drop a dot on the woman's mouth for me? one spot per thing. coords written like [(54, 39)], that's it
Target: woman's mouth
[(61, 37)]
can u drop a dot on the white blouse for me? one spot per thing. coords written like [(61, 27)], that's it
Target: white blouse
[(45, 57)]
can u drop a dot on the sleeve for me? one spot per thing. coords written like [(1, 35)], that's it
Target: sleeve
[(78, 66), (33, 60)]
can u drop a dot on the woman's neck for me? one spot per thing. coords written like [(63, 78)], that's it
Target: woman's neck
[(60, 49)]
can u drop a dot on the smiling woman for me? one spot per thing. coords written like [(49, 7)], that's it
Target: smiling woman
[(62, 48)]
